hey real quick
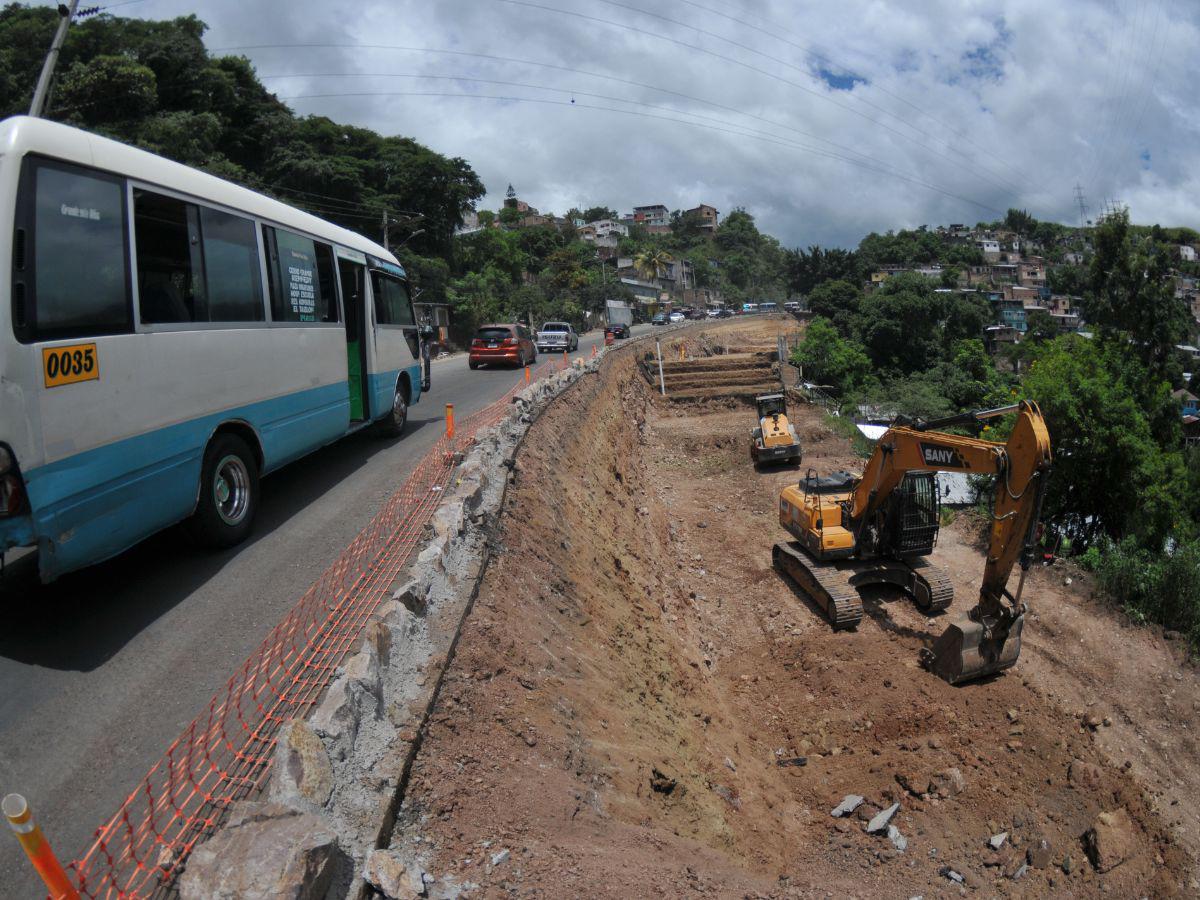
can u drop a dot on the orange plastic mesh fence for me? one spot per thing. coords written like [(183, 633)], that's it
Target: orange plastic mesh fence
[(225, 754)]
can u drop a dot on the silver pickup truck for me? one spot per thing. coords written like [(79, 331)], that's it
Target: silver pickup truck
[(557, 336)]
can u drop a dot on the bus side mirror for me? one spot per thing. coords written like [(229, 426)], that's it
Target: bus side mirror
[(426, 331)]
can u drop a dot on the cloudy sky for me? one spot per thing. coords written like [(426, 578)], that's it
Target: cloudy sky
[(824, 119)]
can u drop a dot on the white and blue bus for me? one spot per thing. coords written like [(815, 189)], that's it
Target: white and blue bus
[(166, 338)]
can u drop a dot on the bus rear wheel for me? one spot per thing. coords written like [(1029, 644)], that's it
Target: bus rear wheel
[(229, 494), (392, 425)]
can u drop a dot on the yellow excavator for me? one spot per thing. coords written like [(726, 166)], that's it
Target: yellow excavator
[(878, 528)]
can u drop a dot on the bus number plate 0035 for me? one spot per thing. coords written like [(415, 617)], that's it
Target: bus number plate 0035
[(68, 365)]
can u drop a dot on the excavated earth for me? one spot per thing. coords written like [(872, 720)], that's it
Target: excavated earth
[(635, 690)]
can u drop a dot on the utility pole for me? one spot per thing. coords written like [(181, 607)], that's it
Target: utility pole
[(385, 231), (66, 14)]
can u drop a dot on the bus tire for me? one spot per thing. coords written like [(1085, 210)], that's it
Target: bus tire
[(392, 425), (229, 494)]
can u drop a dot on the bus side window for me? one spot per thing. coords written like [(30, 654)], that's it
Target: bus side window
[(73, 223), (169, 264), (232, 279), (300, 273), (392, 306)]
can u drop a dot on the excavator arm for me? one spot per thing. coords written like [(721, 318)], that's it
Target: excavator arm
[(989, 639)]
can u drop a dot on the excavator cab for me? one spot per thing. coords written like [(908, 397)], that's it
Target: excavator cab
[(912, 516), (774, 440)]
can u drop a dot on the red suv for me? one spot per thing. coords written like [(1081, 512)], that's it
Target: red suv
[(512, 344)]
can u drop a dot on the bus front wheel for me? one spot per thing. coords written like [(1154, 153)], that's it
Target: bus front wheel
[(228, 494), (392, 425)]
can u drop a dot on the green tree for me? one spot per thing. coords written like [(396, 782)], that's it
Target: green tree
[(652, 263), (596, 213), (1110, 475), (837, 301), (1040, 328), (687, 229), (900, 324), (1131, 295), (1021, 222), (825, 357), (806, 269), (107, 90), (1067, 279)]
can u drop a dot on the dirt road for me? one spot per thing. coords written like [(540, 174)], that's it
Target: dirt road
[(636, 688)]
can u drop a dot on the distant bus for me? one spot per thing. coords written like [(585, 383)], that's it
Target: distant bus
[(166, 338), (749, 307), (768, 306)]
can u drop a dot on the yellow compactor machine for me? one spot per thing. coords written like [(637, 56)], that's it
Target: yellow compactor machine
[(878, 528), (774, 440)]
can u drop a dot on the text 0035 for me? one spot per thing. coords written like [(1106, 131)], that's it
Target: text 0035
[(68, 365)]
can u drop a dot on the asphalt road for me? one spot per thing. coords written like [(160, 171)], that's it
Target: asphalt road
[(101, 670)]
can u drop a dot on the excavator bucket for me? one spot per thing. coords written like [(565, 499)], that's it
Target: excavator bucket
[(966, 652)]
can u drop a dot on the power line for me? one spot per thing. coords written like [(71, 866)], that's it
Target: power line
[(553, 67), (777, 29), (778, 141), (772, 75), (575, 93), (1100, 156), (1149, 90), (783, 62)]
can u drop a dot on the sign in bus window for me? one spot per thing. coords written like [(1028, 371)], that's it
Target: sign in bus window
[(79, 247), (302, 280)]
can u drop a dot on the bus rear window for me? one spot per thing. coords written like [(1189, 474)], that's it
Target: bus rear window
[(80, 274)]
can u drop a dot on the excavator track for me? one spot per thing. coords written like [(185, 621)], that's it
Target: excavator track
[(941, 591), (824, 583)]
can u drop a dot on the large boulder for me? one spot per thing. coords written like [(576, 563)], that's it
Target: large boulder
[(393, 876), (302, 770), (265, 851), (1111, 840)]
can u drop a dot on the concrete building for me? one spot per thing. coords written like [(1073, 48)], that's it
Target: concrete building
[(650, 215), (990, 248), (708, 215)]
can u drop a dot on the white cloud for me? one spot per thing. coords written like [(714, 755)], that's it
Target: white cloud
[(1005, 103)]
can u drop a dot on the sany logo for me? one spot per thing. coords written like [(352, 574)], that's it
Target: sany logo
[(941, 456)]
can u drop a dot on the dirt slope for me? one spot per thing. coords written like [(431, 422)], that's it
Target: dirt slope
[(634, 673)]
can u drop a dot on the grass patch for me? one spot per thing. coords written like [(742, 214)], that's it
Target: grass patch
[(1162, 588), (845, 427)]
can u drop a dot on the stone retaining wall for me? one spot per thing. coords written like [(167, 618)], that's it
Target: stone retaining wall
[(338, 777)]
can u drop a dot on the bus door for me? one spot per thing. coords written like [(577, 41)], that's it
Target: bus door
[(352, 273)]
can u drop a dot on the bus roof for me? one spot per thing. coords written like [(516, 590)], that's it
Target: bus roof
[(22, 134)]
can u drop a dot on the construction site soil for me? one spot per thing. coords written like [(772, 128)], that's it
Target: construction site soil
[(640, 705)]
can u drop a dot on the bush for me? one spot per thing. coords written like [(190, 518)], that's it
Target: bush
[(1162, 588), (1089, 560), (860, 443)]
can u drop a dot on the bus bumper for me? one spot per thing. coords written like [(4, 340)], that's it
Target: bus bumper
[(16, 532)]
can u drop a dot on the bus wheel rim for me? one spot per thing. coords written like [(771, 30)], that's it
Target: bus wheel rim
[(231, 490), (399, 408)]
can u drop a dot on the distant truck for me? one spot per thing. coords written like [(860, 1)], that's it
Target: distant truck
[(619, 318), (558, 336)]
